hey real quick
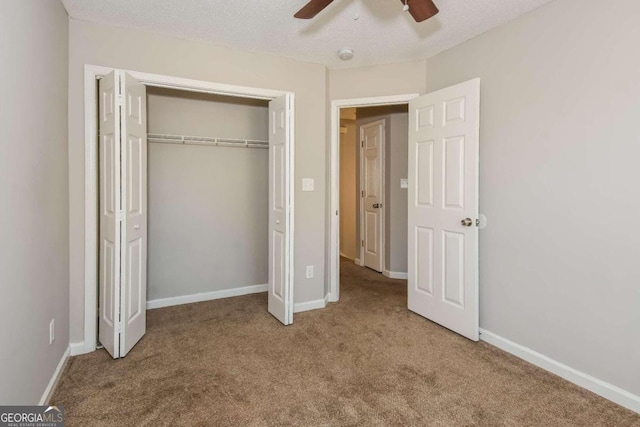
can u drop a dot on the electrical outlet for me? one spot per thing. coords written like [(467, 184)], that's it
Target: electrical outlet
[(309, 272), (52, 331)]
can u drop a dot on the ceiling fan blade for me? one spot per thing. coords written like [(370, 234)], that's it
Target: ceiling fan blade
[(312, 8), (421, 9)]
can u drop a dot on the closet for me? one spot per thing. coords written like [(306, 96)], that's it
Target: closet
[(194, 202), (207, 194)]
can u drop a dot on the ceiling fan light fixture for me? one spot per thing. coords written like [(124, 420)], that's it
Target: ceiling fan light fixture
[(419, 10), (345, 54)]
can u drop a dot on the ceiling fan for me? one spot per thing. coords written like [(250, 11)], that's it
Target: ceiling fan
[(420, 10)]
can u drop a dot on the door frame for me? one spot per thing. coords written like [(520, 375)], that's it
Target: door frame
[(91, 75), (333, 251), (382, 240)]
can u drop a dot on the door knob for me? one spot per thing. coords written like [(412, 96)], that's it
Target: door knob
[(277, 221), (467, 222), (377, 205), (136, 227)]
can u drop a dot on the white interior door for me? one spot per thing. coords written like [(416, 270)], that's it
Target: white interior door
[(280, 279), (123, 212), (109, 169), (443, 207), (133, 255), (372, 191)]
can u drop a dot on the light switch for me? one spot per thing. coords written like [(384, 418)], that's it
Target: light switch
[(404, 183), (307, 184)]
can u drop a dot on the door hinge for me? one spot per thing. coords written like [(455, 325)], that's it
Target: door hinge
[(336, 213), (362, 243), (118, 327), (120, 100), (362, 193), (120, 216), (362, 143)]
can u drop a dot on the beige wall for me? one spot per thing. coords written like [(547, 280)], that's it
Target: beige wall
[(348, 191), (208, 206), (96, 44), (559, 150), (378, 80), (203, 114), (396, 209), (34, 259)]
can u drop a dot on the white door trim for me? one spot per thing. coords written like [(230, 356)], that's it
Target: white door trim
[(91, 74), (333, 273), (382, 240)]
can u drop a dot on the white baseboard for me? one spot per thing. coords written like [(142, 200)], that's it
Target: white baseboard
[(310, 305), (77, 348), (205, 296), (357, 262), (395, 274), (602, 388), (326, 299), (54, 379)]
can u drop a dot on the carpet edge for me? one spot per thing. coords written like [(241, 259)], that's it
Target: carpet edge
[(584, 380)]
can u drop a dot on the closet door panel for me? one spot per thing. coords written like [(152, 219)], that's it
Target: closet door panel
[(280, 293), (109, 257), (134, 234)]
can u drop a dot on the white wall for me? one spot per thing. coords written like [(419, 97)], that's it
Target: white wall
[(96, 44), (348, 191), (559, 150), (208, 206), (34, 228)]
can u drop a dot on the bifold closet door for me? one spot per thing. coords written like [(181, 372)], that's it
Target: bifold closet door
[(280, 280), (133, 255), (123, 212), (109, 264)]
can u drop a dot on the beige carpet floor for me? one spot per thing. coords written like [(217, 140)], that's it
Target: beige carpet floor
[(365, 360)]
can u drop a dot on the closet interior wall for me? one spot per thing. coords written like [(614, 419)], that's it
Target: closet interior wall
[(208, 205)]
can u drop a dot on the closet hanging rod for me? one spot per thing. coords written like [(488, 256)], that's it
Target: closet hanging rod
[(205, 140)]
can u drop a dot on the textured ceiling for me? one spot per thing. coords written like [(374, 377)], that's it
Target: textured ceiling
[(381, 34)]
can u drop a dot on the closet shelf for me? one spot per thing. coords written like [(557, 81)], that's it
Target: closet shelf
[(205, 140)]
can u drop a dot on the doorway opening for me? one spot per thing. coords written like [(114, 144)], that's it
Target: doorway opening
[(368, 191), (373, 193), (278, 219), (442, 204)]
